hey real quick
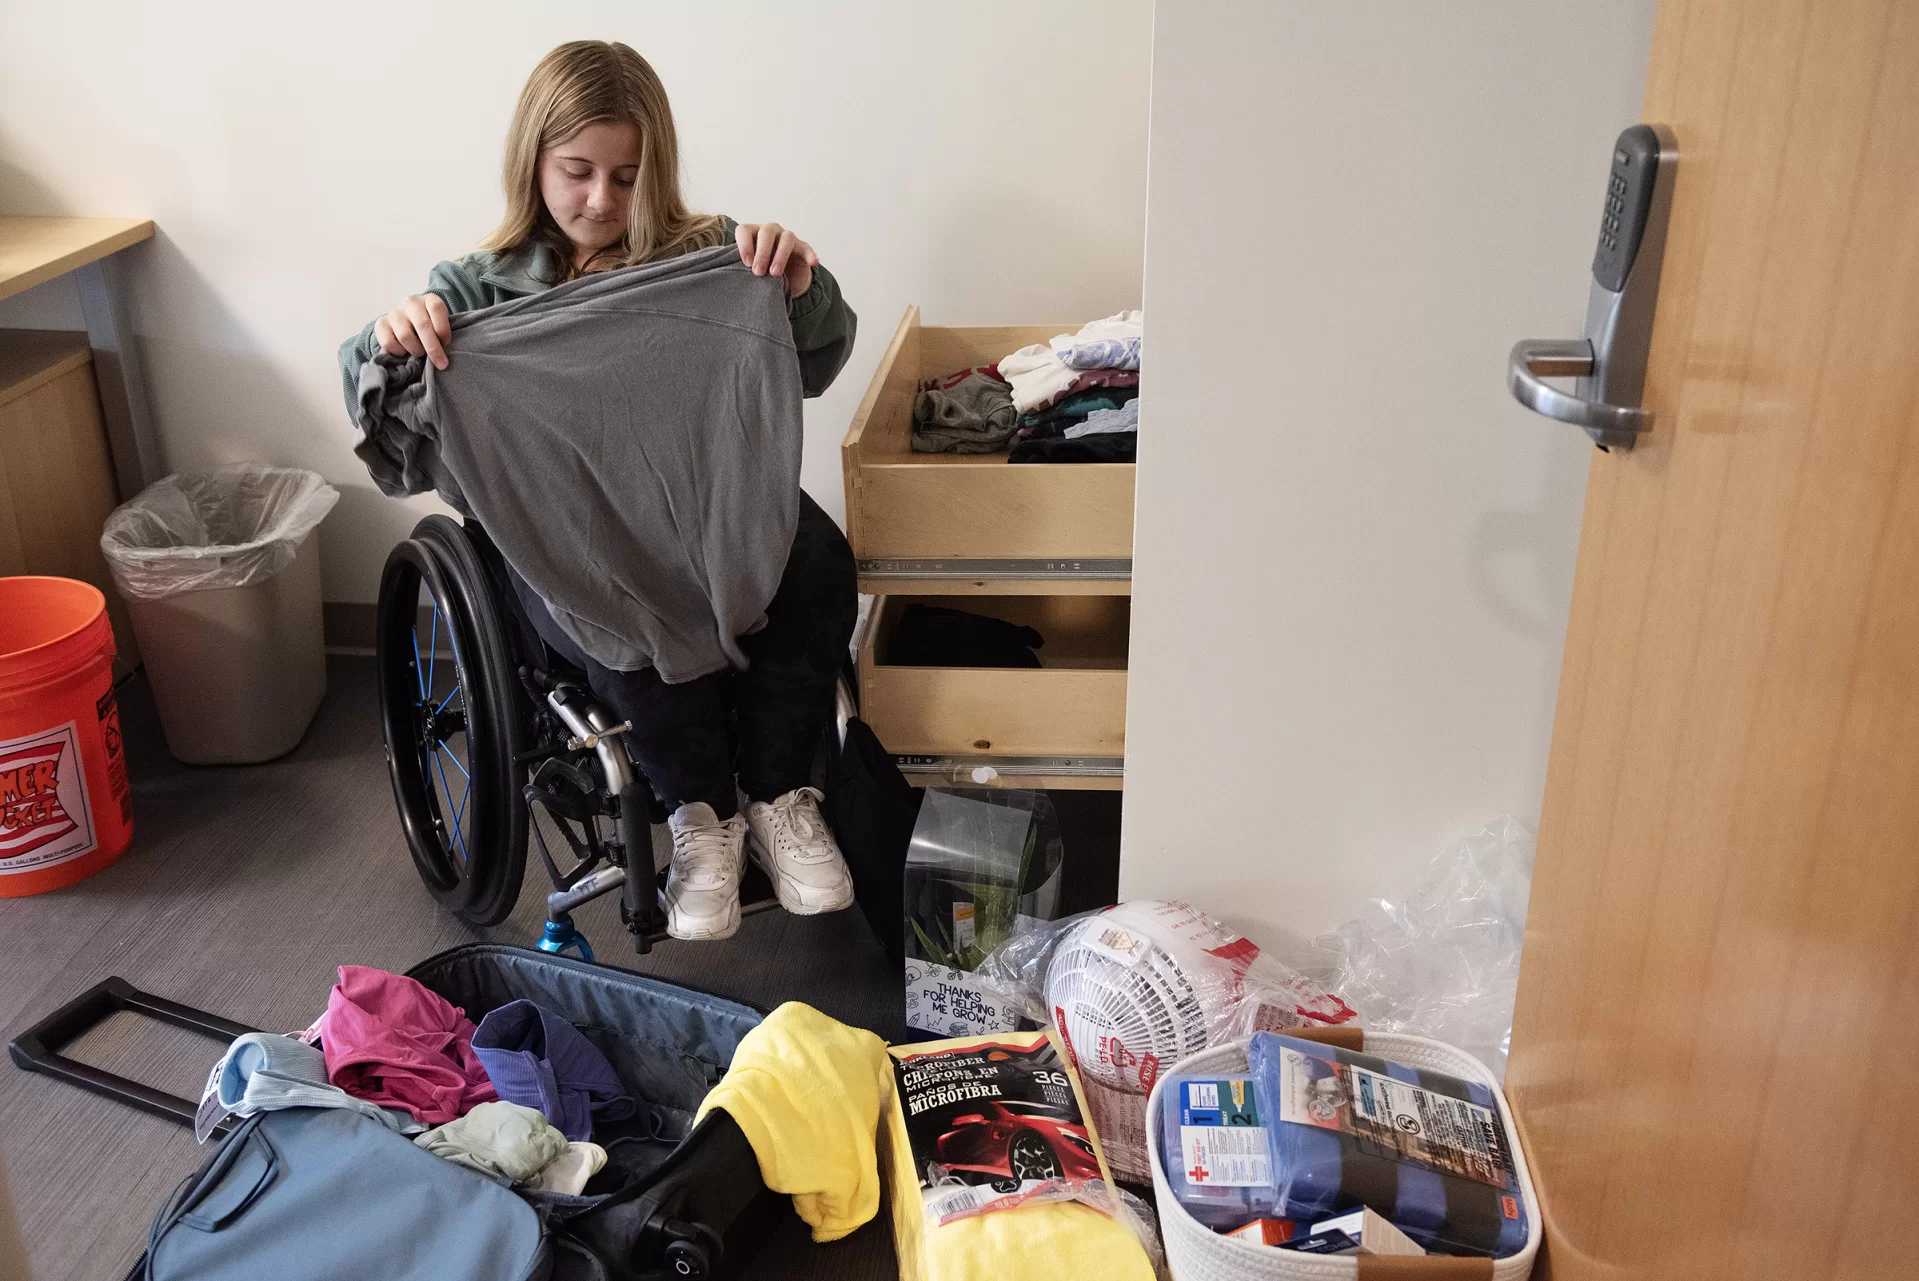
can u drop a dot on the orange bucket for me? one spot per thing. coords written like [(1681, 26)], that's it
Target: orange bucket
[(65, 808)]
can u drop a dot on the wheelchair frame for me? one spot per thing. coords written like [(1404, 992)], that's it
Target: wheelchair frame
[(530, 729)]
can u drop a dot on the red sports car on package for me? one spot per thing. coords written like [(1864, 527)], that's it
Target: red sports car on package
[(1015, 1142)]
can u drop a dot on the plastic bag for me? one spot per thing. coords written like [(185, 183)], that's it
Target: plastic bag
[(1141, 1218), (230, 527), (979, 864), (1443, 962), (1134, 988)]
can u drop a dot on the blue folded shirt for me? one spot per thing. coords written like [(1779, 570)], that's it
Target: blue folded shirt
[(264, 1072), (537, 1059)]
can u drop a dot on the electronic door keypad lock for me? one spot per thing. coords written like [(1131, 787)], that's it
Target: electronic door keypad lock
[(1610, 361)]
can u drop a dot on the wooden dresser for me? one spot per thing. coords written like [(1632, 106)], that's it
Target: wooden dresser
[(1045, 545), (56, 476)]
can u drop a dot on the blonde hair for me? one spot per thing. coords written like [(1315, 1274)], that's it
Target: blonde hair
[(587, 82)]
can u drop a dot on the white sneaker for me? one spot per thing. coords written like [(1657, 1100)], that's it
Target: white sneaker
[(703, 884), (789, 838)]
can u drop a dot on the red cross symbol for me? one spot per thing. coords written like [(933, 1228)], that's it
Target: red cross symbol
[(1199, 1172)]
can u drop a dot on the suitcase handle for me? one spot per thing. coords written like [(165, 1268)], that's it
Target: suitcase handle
[(38, 1048)]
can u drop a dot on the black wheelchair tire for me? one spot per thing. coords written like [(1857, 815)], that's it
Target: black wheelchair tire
[(482, 886), (478, 595)]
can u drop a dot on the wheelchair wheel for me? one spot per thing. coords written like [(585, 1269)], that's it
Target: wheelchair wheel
[(482, 596), (451, 716)]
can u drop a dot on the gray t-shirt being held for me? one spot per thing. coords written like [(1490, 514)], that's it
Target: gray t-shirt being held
[(631, 442)]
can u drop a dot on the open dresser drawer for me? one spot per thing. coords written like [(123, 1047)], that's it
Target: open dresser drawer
[(974, 523), (1062, 724)]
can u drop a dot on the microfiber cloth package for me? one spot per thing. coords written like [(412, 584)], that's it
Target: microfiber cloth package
[(537, 1059), (1340, 1130), (978, 1101)]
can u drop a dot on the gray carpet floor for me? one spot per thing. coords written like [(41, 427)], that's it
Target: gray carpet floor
[(243, 890)]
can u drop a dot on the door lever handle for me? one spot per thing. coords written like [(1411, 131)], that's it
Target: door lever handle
[(1537, 358), (1610, 361)]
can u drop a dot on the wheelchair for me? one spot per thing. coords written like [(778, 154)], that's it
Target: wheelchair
[(488, 730)]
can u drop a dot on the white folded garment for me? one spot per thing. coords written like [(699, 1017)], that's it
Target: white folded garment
[(1037, 376), (1112, 343), (569, 1171)]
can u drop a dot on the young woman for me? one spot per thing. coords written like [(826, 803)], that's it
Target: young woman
[(592, 183)]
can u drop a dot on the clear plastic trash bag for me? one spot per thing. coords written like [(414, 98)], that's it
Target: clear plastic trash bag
[(1443, 961), (230, 527)]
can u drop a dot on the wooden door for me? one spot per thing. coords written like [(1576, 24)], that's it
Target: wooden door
[(1715, 1056)]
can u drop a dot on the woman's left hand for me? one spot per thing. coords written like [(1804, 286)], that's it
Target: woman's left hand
[(769, 248)]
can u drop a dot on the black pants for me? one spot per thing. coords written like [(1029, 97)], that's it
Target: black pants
[(762, 725)]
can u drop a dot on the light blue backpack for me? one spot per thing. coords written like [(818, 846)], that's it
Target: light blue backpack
[(326, 1193)]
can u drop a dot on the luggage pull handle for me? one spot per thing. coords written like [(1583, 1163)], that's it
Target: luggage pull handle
[(38, 1048)]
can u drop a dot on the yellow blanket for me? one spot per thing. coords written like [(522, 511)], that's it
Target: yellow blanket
[(1054, 1241), (807, 1092)]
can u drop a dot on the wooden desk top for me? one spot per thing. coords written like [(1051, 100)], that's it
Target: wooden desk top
[(35, 250)]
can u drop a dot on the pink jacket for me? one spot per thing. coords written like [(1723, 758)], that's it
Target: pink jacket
[(390, 1041)]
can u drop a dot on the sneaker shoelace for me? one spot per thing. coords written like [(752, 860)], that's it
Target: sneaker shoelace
[(703, 856), (797, 820)]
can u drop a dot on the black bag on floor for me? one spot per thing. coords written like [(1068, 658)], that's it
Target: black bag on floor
[(872, 808), (675, 1200)]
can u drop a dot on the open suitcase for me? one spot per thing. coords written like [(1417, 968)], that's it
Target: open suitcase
[(682, 1201)]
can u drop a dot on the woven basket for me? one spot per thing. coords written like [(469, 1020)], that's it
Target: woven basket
[(1197, 1253)]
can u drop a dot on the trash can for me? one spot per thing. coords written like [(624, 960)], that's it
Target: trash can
[(221, 575)]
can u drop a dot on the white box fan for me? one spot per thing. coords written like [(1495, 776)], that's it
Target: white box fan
[(1140, 986)]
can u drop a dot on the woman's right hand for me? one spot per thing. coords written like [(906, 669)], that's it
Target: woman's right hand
[(419, 326)]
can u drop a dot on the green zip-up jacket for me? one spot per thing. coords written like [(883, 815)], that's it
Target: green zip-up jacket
[(823, 325)]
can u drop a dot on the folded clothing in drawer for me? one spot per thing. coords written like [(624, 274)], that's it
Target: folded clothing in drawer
[(907, 505), (1069, 699), (936, 636)]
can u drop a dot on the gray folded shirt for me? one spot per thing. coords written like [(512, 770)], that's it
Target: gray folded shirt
[(631, 442)]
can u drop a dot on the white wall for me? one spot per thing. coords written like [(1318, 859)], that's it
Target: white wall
[(1354, 552), (307, 164)]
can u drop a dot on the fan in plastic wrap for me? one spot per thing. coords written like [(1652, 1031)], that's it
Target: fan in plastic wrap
[(1138, 987), (1130, 994)]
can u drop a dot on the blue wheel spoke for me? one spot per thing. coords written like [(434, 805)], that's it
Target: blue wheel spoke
[(456, 762), (459, 837), (444, 702), (419, 668), (432, 647)]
